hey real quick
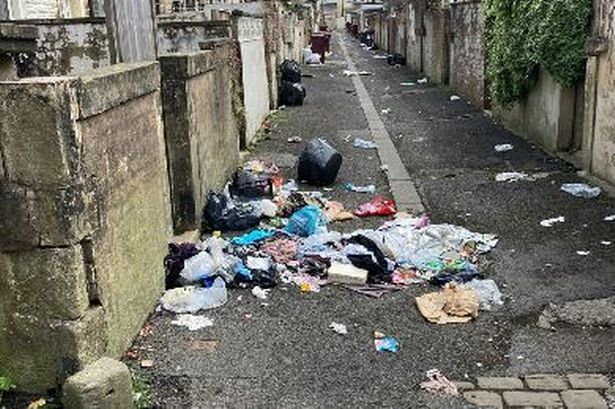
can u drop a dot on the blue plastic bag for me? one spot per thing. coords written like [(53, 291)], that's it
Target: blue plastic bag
[(306, 221), (252, 237)]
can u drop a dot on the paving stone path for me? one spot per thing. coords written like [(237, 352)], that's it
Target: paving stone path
[(574, 391)]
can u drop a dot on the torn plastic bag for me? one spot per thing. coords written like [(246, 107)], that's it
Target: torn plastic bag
[(379, 206), (488, 293), (291, 71), (306, 221), (319, 163), (249, 185), (291, 94), (192, 299), (221, 214)]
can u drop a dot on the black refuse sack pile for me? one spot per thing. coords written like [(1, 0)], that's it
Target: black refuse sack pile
[(291, 91)]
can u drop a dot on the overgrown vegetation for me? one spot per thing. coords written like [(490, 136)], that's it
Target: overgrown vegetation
[(523, 35), (141, 393), (6, 385)]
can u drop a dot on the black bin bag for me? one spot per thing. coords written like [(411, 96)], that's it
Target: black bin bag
[(319, 163)]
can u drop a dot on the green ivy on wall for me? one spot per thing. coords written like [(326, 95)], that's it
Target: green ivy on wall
[(523, 35)]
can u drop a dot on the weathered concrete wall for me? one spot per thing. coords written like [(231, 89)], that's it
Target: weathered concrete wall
[(63, 47), (546, 116), (436, 21), (181, 34), (599, 129), (249, 34), (467, 65), (201, 134), (414, 35), (85, 216)]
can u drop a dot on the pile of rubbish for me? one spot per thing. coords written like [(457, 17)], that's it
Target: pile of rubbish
[(291, 91), (278, 235)]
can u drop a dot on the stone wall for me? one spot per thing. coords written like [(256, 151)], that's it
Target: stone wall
[(599, 127), (180, 33), (35, 9), (85, 216), (62, 47), (436, 23), (467, 63), (546, 116), (200, 129)]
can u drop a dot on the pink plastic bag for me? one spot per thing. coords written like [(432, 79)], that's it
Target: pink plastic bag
[(379, 206)]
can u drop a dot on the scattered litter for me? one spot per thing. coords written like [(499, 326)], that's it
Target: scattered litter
[(338, 328), (511, 177), (385, 111), (610, 218), (407, 84), (373, 290), (453, 304), (583, 253), (380, 57), (384, 168), (147, 363), (191, 299), (455, 98), (362, 143), (581, 190), (204, 345), (551, 222), (260, 293), (439, 384), (335, 212), (348, 73), (489, 294), (192, 322), (351, 187), (505, 147), (252, 237), (422, 81), (306, 221), (346, 274), (37, 404), (294, 139), (319, 163), (384, 343), (605, 243), (379, 206)]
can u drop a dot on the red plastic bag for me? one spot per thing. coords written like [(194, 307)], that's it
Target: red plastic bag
[(379, 206)]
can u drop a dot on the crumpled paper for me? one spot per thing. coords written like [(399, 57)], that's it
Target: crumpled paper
[(451, 305), (439, 384)]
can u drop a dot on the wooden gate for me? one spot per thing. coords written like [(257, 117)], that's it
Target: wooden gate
[(132, 25)]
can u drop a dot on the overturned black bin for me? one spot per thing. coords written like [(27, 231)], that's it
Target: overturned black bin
[(319, 163)]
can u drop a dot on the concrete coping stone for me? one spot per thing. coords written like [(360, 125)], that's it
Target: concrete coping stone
[(18, 31), (182, 66), (104, 88)]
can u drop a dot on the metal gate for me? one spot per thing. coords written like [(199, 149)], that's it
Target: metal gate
[(133, 28)]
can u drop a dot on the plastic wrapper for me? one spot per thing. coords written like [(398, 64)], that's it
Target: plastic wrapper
[(379, 206), (191, 299), (306, 221)]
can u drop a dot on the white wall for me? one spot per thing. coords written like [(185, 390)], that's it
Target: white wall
[(254, 74)]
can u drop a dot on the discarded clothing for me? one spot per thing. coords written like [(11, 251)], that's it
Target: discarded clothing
[(451, 305), (281, 250)]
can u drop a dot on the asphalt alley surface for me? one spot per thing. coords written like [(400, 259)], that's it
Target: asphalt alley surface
[(285, 356)]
